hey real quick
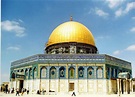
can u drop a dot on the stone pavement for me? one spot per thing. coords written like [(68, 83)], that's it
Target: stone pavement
[(67, 95)]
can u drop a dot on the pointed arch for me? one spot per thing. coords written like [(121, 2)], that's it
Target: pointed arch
[(80, 72), (12, 75), (62, 73), (71, 73), (90, 72), (52, 72), (43, 72), (99, 72)]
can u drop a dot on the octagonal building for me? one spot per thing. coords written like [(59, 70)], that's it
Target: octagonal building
[(71, 62)]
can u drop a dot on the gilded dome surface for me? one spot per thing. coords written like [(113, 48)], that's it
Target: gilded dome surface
[(71, 32)]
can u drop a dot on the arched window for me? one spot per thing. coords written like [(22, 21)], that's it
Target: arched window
[(35, 73), (30, 73), (53, 72), (13, 75), (43, 72), (71, 73), (90, 73), (26, 74), (80, 72), (62, 72), (99, 72)]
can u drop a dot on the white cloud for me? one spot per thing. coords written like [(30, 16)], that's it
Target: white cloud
[(131, 48), (20, 20), (101, 13), (114, 3), (132, 29), (117, 52), (133, 18), (13, 48), (118, 13), (13, 26), (129, 7)]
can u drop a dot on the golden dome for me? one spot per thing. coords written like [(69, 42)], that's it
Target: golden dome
[(71, 32)]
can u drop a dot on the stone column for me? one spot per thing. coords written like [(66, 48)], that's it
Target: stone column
[(48, 80), (131, 86), (39, 76), (85, 77), (126, 86), (95, 72), (67, 78), (76, 71), (67, 71), (120, 89), (57, 79), (76, 78), (104, 70), (118, 86), (95, 81)]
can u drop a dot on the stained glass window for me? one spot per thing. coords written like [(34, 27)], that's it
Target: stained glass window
[(90, 72), (52, 72), (62, 72), (81, 72), (71, 72)]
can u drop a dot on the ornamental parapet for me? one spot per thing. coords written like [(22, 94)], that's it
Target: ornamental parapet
[(62, 58), (71, 58)]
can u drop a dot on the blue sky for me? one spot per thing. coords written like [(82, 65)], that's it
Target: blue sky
[(27, 24)]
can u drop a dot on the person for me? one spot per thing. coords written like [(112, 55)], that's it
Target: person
[(28, 91), (38, 92), (8, 91), (12, 90), (22, 92), (43, 92), (17, 92), (25, 90), (73, 93), (1, 89)]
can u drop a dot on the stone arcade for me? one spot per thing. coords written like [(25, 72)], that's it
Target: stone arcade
[(71, 62)]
